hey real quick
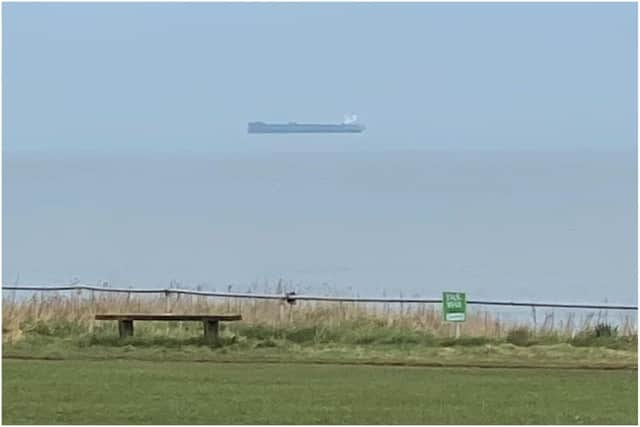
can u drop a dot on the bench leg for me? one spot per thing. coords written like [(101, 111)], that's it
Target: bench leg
[(125, 327), (211, 331)]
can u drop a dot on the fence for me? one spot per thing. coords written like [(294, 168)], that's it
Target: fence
[(277, 308), (292, 297)]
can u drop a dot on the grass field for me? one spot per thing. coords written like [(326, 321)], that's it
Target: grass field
[(134, 392)]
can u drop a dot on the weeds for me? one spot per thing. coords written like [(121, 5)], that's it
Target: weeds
[(519, 336), (604, 335), (605, 330), (267, 323)]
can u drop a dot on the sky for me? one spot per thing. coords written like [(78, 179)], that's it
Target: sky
[(188, 77), (499, 156)]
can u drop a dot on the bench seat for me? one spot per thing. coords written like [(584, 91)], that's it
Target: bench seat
[(209, 321), (168, 316)]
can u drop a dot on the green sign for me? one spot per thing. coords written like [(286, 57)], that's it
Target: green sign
[(454, 306)]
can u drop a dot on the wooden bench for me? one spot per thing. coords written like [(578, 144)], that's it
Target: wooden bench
[(210, 322)]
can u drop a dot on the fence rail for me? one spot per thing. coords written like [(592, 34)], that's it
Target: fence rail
[(292, 297)]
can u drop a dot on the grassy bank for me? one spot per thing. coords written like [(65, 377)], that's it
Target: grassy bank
[(119, 392), (63, 327), (323, 318), (349, 342)]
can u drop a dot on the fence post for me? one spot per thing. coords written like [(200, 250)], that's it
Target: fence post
[(535, 324), (290, 299), (289, 314), (167, 307), (281, 312), (167, 303)]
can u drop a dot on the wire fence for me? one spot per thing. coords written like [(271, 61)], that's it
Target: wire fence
[(292, 297)]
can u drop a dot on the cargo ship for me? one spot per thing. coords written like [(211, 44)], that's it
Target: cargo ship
[(348, 126)]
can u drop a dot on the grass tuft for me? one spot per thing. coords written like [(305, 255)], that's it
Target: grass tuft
[(520, 336)]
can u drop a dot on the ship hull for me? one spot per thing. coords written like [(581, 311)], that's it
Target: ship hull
[(259, 127)]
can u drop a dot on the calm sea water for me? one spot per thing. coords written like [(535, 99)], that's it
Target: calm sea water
[(545, 226)]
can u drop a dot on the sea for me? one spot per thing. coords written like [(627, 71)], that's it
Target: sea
[(541, 226)]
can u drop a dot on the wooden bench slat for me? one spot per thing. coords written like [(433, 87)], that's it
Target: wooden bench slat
[(168, 316)]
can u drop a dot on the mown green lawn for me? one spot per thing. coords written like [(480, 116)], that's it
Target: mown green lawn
[(137, 392)]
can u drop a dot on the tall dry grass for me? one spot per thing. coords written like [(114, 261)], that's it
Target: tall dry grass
[(80, 308)]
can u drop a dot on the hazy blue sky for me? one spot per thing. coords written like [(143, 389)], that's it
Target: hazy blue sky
[(499, 155), (188, 77)]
